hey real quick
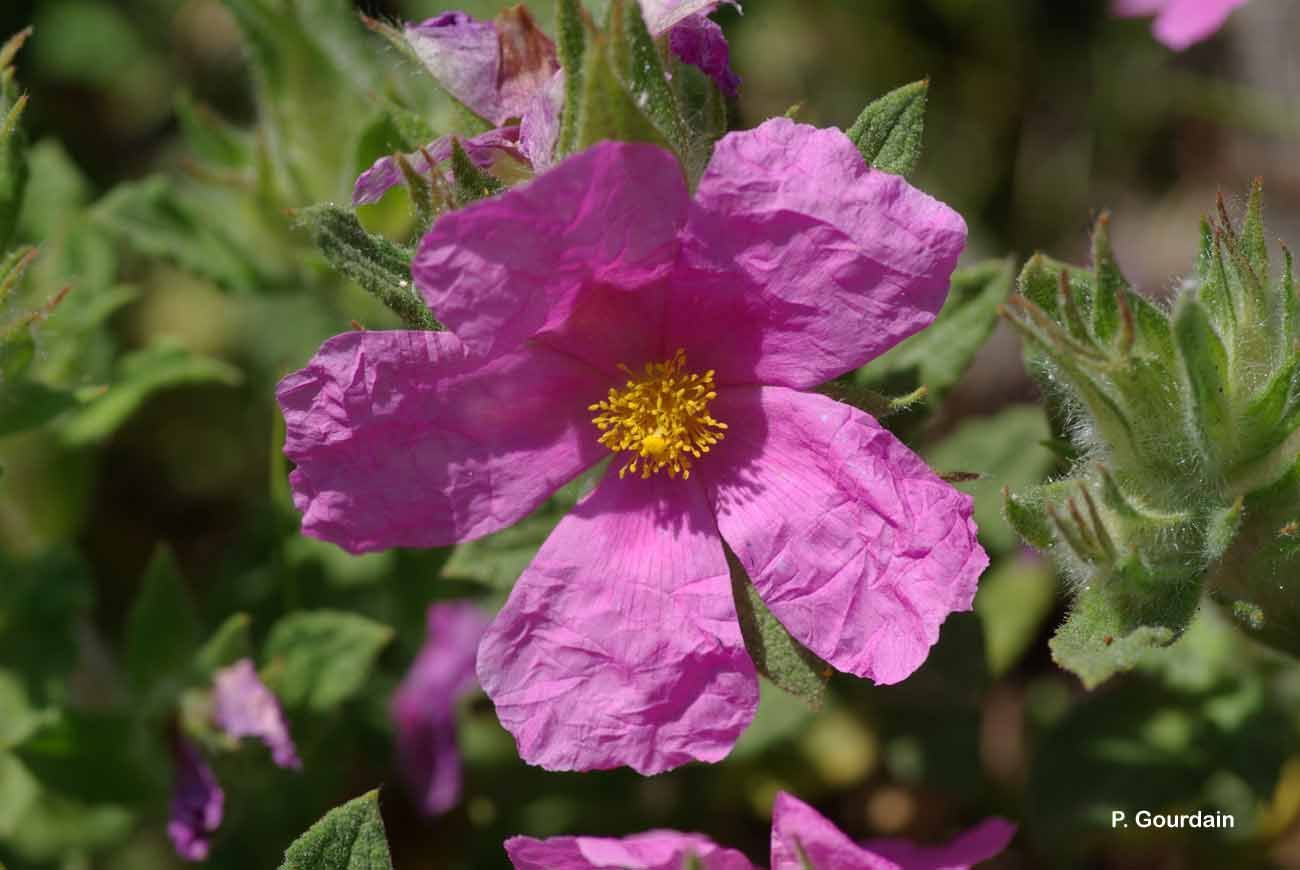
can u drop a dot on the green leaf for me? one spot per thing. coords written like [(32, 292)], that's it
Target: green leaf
[(157, 220), (27, 404), (939, 355), (1014, 600), (319, 659), (776, 654), (889, 130), (228, 644), (139, 375), (350, 837), (20, 719), (13, 142), (96, 757), (212, 140), (635, 58), (41, 603), (52, 828), (1006, 450), (161, 629), (380, 267)]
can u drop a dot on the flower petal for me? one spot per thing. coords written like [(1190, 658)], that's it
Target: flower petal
[(803, 837), (662, 15), (504, 269), (197, 804), (620, 643), (463, 54), (539, 129), (699, 41), (401, 440), (1183, 23), (800, 262), (244, 707), (984, 841), (653, 850), (856, 546), (528, 60), (424, 705), (484, 150)]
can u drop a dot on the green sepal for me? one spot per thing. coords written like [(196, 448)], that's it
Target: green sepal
[(605, 109), (1205, 362), (571, 28), (469, 183), (1025, 512), (349, 837), (775, 653), (635, 57), (421, 191), (890, 129), (1112, 288), (379, 266)]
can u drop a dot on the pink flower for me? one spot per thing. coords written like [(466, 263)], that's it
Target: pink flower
[(197, 802), (244, 707), (506, 70), (801, 839), (601, 308), (424, 706), (1179, 23)]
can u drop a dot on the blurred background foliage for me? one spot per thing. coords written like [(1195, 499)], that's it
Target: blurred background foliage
[(170, 142)]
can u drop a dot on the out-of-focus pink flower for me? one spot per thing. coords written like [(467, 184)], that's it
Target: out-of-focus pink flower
[(243, 706), (602, 308), (506, 72), (802, 839), (424, 705), (197, 802), (1179, 23)]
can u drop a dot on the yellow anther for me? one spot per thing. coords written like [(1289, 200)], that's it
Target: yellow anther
[(660, 417)]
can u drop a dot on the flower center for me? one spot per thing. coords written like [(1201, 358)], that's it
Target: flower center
[(661, 417)]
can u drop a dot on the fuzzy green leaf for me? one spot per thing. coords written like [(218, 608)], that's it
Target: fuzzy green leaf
[(319, 659), (469, 182), (606, 110), (1206, 364), (162, 628), (937, 357), (889, 130), (350, 837), (140, 374), (636, 58), (776, 654), (380, 267), (571, 45)]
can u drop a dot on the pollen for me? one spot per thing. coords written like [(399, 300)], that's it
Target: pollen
[(660, 418)]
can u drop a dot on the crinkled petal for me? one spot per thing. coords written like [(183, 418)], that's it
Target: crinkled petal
[(803, 837), (540, 128), (662, 15), (620, 643), (699, 41), (528, 60), (1183, 23), (463, 54), (243, 706), (800, 262), (653, 850), (197, 802), (401, 440), (424, 705), (858, 548), (484, 150), (603, 222), (984, 841)]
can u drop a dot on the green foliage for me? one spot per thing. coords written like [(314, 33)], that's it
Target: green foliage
[(1015, 599), (350, 837), (13, 150), (1190, 443), (889, 130), (470, 182), (319, 659), (380, 267), (228, 644), (162, 628), (937, 357), (776, 654)]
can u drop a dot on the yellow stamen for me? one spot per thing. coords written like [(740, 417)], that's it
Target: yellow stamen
[(661, 417)]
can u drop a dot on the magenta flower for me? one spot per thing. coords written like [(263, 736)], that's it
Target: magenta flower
[(598, 309), (424, 705), (505, 70), (244, 707), (802, 839), (1179, 23), (197, 802)]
